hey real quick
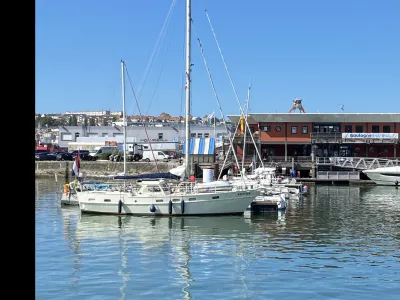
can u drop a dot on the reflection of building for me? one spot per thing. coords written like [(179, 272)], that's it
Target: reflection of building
[(330, 134)]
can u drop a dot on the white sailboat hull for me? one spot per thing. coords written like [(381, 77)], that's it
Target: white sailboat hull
[(107, 202), (384, 176)]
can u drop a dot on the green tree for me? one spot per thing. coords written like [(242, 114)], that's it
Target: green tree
[(105, 122), (74, 121), (45, 121), (92, 122)]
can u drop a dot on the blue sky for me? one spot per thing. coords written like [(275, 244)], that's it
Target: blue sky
[(326, 52)]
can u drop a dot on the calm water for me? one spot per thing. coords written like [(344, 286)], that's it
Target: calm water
[(340, 242)]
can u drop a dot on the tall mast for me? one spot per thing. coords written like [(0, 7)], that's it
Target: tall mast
[(187, 87), (123, 111), (245, 127)]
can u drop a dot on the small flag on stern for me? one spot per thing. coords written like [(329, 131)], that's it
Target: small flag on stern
[(76, 166)]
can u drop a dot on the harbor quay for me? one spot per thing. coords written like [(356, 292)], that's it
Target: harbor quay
[(98, 169), (102, 169)]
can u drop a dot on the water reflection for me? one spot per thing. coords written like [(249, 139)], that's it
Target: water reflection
[(331, 237), (124, 258), (70, 218)]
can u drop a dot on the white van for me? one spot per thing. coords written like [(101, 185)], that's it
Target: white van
[(158, 155), (103, 149)]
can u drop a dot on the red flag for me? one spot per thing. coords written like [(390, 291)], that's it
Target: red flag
[(77, 165)]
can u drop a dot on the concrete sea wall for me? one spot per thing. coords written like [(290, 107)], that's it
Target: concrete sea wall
[(100, 168)]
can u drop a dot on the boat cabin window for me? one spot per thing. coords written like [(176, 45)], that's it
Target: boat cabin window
[(154, 188), (164, 186)]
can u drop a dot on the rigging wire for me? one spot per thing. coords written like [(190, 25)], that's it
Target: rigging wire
[(233, 87), (140, 114), (156, 48), (182, 104), (159, 75), (218, 102)]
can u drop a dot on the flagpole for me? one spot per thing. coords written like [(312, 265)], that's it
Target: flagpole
[(78, 164)]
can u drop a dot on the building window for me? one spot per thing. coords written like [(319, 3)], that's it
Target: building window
[(375, 128), (76, 135), (304, 129), (104, 134), (206, 135), (316, 128), (199, 135), (359, 128), (160, 136), (278, 128), (348, 128), (66, 136), (266, 128), (386, 129), (336, 128), (117, 134), (294, 129)]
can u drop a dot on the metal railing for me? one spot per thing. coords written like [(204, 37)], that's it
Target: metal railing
[(364, 163), (325, 137), (356, 163), (338, 175)]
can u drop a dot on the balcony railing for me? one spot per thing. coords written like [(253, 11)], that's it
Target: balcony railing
[(326, 137)]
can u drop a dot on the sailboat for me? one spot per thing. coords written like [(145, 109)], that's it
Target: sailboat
[(158, 197)]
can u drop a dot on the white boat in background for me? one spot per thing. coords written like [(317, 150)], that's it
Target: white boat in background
[(158, 198), (384, 176), (277, 200)]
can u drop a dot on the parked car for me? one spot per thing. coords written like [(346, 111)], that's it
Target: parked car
[(83, 154), (45, 156), (40, 151), (64, 156)]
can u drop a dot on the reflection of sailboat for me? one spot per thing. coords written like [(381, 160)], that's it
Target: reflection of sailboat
[(161, 236), (153, 231), (70, 217)]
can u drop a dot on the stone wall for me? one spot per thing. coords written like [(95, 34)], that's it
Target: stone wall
[(101, 168)]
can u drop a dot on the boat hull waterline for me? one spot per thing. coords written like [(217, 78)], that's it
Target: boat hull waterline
[(227, 203), (385, 176)]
